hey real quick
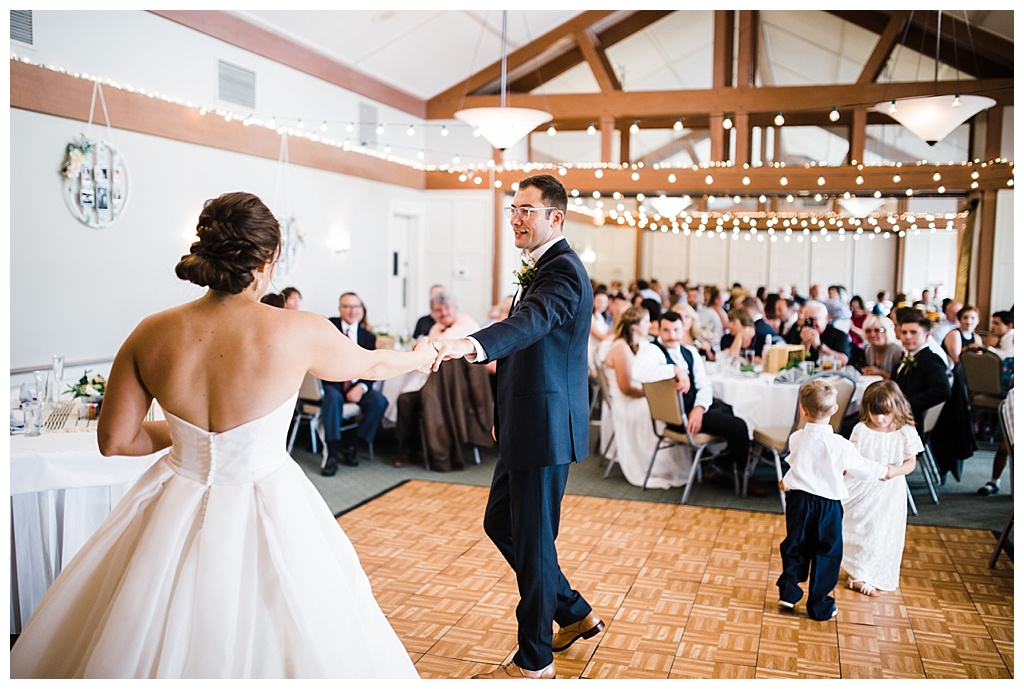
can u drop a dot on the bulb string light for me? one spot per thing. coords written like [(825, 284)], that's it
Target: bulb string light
[(393, 151)]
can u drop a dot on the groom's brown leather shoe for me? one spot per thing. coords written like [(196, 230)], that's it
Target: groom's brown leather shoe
[(512, 671), (584, 629)]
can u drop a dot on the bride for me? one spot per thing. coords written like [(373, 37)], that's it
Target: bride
[(222, 560)]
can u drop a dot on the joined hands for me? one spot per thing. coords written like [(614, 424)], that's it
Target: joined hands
[(451, 349)]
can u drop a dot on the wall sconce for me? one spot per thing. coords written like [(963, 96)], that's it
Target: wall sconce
[(341, 242)]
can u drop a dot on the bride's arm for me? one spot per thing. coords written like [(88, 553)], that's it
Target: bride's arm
[(333, 356), (121, 429)]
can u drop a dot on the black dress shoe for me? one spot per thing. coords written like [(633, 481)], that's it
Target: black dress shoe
[(330, 467), (348, 457)]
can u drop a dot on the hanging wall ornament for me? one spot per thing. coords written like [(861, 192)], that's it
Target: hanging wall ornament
[(291, 231), (95, 175)]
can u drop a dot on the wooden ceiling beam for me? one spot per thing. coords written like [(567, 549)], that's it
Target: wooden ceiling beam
[(644, 105), (599, 63), (992, 56), (887, 40)]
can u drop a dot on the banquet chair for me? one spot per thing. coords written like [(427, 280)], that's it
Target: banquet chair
[(307, 409), (666, 406), (925, 458), (983, 374), (606, 408), (775, 439), (1006, 423)]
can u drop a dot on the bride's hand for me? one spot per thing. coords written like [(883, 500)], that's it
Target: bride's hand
[(428, 354)]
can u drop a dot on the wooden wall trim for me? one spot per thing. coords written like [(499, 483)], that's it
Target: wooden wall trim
[(234, 30), (45, 91)]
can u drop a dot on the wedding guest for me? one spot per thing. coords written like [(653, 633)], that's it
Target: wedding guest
[(272, 299), (1000, 335), (921, 374), (883, 352), (292, 298), (634, 440), (739, 340), (351, 321), (858, 314), (950, 308), (818, 336), (426, 321), (670, 356), (962, 337), (600, 329)]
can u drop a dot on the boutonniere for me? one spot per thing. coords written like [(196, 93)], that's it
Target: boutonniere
[(524, 276), (910, 361)]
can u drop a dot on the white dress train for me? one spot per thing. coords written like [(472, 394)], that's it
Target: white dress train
[(223, 561)]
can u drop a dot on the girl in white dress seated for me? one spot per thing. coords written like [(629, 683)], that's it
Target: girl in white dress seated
[(222, 561), (634, 440), (875, 514)]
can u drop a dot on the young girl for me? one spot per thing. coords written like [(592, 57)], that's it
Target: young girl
[(875, 514)]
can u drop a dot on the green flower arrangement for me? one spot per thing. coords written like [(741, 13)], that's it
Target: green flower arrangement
[(74, 156), (88, 387)]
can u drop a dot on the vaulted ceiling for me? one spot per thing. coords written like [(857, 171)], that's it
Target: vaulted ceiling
[(673, 77)]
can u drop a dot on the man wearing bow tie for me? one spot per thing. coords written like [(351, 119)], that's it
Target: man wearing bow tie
[(541, 423), (921, 375), (667, 357)]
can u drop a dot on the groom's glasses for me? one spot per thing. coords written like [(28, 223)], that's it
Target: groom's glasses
[(524, 212)]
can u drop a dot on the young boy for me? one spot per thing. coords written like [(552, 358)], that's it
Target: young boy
[(814, 513)]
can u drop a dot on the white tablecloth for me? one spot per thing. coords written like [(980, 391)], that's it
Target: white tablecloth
[(393, 387), (61, 490), (763, 403)]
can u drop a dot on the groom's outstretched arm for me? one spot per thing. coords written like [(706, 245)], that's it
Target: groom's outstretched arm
[(453, 349)]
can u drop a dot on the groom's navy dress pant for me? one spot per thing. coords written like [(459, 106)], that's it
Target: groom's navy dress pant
[(522, 515)]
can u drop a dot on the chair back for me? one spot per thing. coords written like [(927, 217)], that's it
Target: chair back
[(931, 417), (982, 372), (665, 402), (844, 385), (1006, 419), (312, 389)]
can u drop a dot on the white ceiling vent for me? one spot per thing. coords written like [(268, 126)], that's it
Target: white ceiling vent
[(236, 84), (21, 26)]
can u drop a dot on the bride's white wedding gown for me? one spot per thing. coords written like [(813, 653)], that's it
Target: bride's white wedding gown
[(222, 561)]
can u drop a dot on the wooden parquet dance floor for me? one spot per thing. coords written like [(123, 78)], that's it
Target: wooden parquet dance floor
[(686, 592)]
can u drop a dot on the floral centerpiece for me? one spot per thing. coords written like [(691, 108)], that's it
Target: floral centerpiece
[(90, 388)]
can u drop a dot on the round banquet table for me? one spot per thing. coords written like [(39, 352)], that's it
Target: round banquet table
[(62, 488), (761, 402)]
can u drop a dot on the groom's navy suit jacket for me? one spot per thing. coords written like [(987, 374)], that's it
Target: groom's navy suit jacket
[(542, 408)]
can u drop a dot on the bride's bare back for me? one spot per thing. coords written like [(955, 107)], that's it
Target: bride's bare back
[(225, 359)]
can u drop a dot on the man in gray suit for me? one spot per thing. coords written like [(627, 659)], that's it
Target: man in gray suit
[(541, 423)]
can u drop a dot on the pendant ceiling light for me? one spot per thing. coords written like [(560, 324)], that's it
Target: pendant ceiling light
[(932, 118), (503, 126)]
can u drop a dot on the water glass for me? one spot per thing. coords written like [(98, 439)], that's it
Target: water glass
[(41, 380), (33, 414)]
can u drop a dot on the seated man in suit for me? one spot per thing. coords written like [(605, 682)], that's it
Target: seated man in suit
[(818, 336), (371, 402), (786, 313), (667, 358), (764, 332), (449, 322), (921, 375)]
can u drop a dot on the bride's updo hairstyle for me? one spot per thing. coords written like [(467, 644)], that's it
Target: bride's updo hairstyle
[(237, 236)]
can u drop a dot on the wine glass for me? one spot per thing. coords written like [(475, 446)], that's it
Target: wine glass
[(58, 376)]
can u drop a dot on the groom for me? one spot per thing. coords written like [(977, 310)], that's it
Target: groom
[(541, 423)]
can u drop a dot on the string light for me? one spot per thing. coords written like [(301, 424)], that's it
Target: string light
[(362, 147), (591, 129), (779, 119)]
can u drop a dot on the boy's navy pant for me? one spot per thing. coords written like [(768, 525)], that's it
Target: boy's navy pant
[(814, 546)]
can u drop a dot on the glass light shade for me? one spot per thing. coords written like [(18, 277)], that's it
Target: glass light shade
[(860, 207), (932, 118), (503, 127)]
